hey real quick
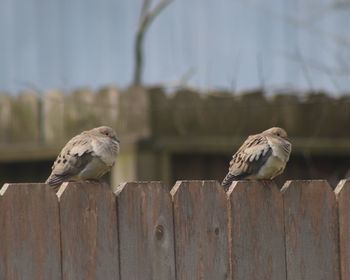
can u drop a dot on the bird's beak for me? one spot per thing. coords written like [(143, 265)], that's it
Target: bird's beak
[(117, 139)]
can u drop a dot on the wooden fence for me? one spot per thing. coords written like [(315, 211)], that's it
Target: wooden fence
[(195, 231)]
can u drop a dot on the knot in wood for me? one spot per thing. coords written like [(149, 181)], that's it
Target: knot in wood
[(159, 232)]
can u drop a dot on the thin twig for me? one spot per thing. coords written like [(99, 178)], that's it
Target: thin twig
[(146, 18)]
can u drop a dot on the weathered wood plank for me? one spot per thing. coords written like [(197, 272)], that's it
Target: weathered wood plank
[(29, 233), (5, 118), (342, 192), (25, 118), (79, 112), (145, 232), (311, 230), (257, 231), (53, 117), (201, 230), (107, 106), (89, 231)]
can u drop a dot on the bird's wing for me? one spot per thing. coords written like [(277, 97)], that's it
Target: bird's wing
[(73, 158), (248, 160)]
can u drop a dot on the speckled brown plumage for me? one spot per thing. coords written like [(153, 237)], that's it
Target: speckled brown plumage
[(261, 156), (88, 155)]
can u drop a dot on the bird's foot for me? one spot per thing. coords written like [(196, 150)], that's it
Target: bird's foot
[(93, 181), (266, 182)]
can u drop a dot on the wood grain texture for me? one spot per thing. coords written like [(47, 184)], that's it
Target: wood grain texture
[(342, 192), (89, 231), (258, 249), (29, 233), (201, 230), (146, 231), (311, 230)]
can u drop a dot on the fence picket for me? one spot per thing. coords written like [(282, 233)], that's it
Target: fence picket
[(342, 192), (197, 231), (146, 231), (258, 250), (311, 230), (201, 230), (29, 233), (89, 231)]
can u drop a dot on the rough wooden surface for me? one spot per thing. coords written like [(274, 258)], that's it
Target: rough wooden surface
[(29, 233), (311, 230), (146, 232), (25, 118), (89, 231), (5, 118), (258, 249), (263, 234), (107, 106), (53, 110), (79, 112), (343, 196), (201, 230)]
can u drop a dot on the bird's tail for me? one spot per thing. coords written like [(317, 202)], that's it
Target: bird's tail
[(55, 181), (226, 183)]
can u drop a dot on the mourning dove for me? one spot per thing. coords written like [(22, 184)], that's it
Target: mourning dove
[(88, 155), (262, 156)]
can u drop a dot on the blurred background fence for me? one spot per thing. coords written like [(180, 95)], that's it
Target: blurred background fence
[(184, 134), (195, 231)]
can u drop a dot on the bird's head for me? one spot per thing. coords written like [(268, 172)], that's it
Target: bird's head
[(277, 131), (107, 131)]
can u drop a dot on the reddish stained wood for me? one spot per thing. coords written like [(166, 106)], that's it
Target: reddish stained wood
[(342, 192), (258, 249), (146, 231), (29, 233), (201, 230), (89, 231), (311, 230)]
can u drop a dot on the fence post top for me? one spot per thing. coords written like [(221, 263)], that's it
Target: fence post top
[(306, 184), (8, 186), (61, 190), (67, 186), (342, 186), (144, 184), (195, 184), (237, 185)]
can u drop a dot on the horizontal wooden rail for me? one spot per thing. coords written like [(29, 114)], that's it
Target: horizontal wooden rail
[(196, 231)]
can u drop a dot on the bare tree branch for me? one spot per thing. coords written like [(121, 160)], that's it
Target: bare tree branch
[(340, 71), (146, 18)]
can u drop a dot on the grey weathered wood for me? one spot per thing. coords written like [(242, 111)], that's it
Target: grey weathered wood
[(257, 231), (311, 230), (145, 232), (107, 105), (25, 118), (53, 117), (29, 233), (89, 231), (79, 112), (5, 118), (134, 117), (342, 192), (201, 230)]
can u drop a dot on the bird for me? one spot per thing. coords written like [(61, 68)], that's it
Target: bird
[(262, 156), (87, 156)]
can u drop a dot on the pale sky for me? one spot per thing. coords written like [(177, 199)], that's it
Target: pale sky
[(228, 44)]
